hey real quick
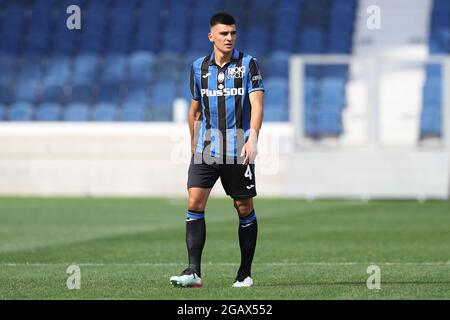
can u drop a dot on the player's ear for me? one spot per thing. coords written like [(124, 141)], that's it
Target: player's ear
[(210, 37)]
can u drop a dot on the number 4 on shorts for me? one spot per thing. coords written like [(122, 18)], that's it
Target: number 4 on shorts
[(248, 173)]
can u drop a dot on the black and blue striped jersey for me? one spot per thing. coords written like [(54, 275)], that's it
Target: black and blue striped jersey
[(224, 95)]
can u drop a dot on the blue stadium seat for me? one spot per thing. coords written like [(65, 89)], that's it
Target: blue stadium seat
[(12, 27), (277, 64), (6, 93), (13, 17), (432, 96), (438, 43), (119, 44), (8, 73), (81, 93), (332, 101), (200, 44), (147, 40), (133, 112), (65, 42), (310, 124), (278, 85), (275, 115), (286, 41), (10, 43), (168, 67), (257, 41), (30, 67), (137, 93), (48, 112), (40, 26), (25, 90), (332, 83), (8, 66), (53, 93), (310, 94), (329, 123), (148, 31), (276, 97), (109, 93), (113, 69), (21, 111), (162, 95), (430, 124), (140, 67), (43, 5), (313, 71), (331, 94), (183, 91), (311, 41), (285, 38), (122, 13), (3, 112), (335, 71), (175, 36), (439, 37), (91, 43), (38, 38), (433, 71), (85, 69), (95, 21), (121, 27), (105, 111), (58, 71), (76, 111), (339, 43), (98, 5)]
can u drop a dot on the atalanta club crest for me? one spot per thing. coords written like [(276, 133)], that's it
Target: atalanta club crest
[(221, 77)]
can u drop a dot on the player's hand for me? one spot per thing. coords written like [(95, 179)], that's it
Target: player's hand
[(249, 151)]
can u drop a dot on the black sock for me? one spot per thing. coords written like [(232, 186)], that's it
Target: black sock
[(195, 239), (248, 232)]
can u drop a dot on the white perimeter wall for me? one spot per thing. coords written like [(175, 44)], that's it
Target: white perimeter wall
[(47, 159)]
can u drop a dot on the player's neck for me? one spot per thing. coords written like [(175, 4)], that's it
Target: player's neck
[(222, 58)]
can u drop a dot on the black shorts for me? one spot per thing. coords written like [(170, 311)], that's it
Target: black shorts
[(238, 180)]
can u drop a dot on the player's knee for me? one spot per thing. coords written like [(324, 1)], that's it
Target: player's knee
[(196, 204), (243, 207)]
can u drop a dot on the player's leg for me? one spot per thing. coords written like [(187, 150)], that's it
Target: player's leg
[(248, 233), (201, 179), (239, 182), (196, 227), (195, 238)]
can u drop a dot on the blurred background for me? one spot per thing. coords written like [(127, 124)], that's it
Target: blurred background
[(357, 99)]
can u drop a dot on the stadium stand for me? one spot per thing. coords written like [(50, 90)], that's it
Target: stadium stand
[(130, 59), (438, 43)]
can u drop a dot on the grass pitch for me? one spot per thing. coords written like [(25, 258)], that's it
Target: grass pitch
[(128, 249)]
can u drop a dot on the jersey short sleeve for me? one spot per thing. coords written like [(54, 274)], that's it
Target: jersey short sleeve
[(254, 81), (195, 92)]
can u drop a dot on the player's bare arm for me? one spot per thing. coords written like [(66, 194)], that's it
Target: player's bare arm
[(250, 149), (195, 113)]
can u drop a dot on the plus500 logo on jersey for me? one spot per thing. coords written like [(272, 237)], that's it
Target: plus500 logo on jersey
[(224, 92)]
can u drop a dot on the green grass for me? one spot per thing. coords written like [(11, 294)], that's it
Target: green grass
[(128, 249)]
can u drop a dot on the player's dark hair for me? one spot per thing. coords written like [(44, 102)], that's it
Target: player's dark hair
[(221, 18)]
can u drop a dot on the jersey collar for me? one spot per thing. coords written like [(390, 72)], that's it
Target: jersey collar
[(234, 58)]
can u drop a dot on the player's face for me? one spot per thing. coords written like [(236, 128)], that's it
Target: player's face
[(223, 36)]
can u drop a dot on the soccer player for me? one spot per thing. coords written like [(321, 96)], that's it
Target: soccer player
[(225, 117)]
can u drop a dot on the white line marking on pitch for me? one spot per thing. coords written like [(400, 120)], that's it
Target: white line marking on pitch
[(156, 264)]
